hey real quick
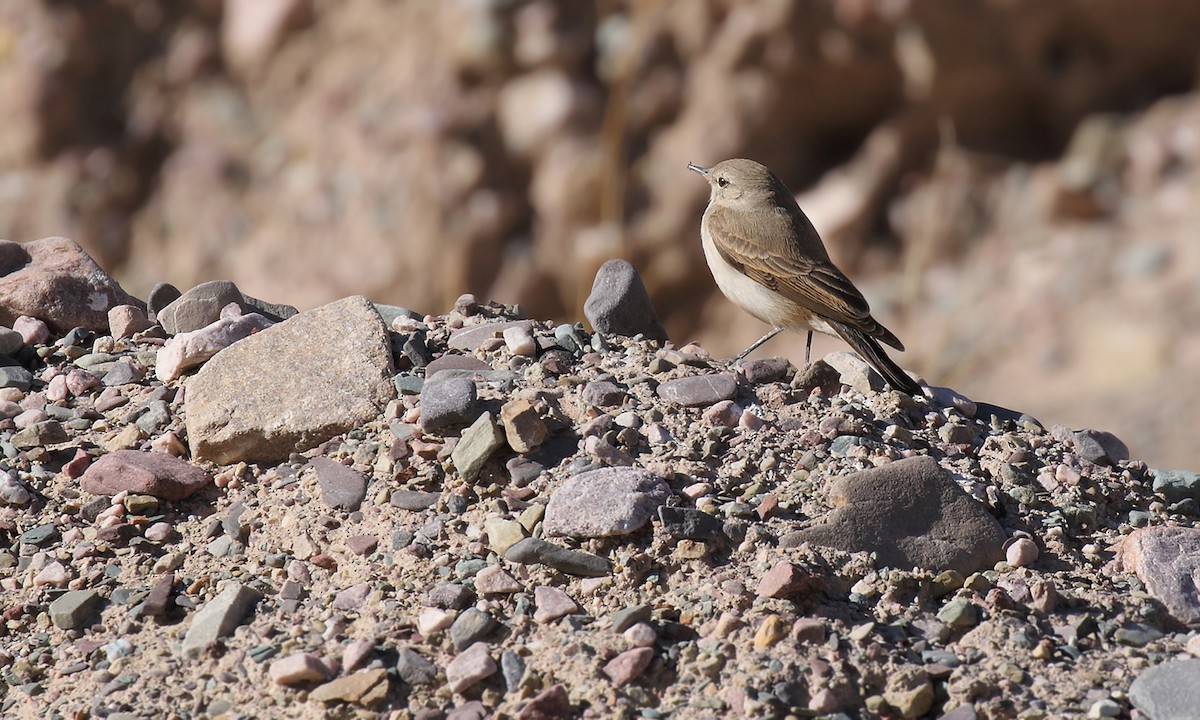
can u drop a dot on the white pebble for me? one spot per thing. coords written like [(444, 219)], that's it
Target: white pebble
[(520, 341)]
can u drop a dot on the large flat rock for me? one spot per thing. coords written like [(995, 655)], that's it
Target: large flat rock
[(910, 513), (1167, 560), (291, 386)]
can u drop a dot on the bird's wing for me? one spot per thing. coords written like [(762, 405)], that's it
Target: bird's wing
[(761, 247)]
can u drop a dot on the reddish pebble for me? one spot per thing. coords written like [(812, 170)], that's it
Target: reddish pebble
[(323, 560), (628, 665)]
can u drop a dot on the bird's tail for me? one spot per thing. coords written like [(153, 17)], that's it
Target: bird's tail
[(870, 351)]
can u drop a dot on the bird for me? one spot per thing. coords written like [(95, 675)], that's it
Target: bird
[(767, 258)]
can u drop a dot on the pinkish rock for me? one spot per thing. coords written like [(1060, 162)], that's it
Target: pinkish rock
[(628, 665), (553, 703), (469, 667), (786, 580), (144, 473), (352, 597), (726, 413), (1021, 552), (1167, 560), (552, 604), (9, 409), (33, 331), (56, 389), (357, 653), (124, 321), (189, 349), (80, 381), (298, 668), (55, 280), (493, 580), (77, 465)]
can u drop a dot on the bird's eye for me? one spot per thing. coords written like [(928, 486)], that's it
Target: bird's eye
[(723, 182)]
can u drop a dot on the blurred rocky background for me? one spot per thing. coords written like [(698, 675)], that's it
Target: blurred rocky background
[(1015, 184)]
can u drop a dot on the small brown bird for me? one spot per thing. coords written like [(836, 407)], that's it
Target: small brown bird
[(769, 260)]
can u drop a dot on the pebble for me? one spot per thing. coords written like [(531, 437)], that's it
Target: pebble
[(470, 667), (553, 703), (483, 438), (342, 488), (760, 371), (1021, 552), (145, 473), (352, 597), (298, 668), (520, 341), (448, 402), (699, 390), (413, 499), (552, 604), (219, 617), (959, 613), (74, 608), (523, 426), (690, 524), (1177, 485), (640, 635), (31, 330), (368, 688), (854, 371), (619, 304), (627, 666), (193, 348), (15, 376), (788, 580), (12, 492), (471, 626), (40, 434), (125, 321), (1100, 447), (726, 413), (470, 337), (413, 668), (603, 393), (493, 580), (770, 631), (573, 562), (503, 534), (604, 502)]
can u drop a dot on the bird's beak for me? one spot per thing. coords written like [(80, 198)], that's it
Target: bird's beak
[(702, 170)]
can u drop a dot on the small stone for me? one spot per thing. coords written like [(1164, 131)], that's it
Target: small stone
[(619, 303), (573, 562), (298, 668), (552, 604), (470, 667), (1021, 552), (503, 534), (493, 580), (12, 492), (726, 413), (40, 434), (959, 613), (414, 669), (362, 545), (699, 390), (200, 306), (520, 341), (144, 473), (219, 617), (471, 626), (772, 630), (469, 338), (1167, 561), (55, 575), (788, 580), (32, 330), (765, 370), (352, 597), (640, 635), (10, 341), (604, 502), (155, 603), (342, 488), (451, 596), (413, 499), (125, 321), (15, 376), (433, 620), (946, 397), (1177, 485), (1100, 447), (477, 444), (448, 402), (161, 295), (855, 372), (523, 426), (74, 608), (367, 688), (909, 692), (603, 393), (627, 666), (553, 703)]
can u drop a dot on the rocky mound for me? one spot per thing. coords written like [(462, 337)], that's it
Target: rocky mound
[(363, 511)]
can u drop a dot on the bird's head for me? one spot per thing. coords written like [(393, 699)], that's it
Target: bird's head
[(741, 182)]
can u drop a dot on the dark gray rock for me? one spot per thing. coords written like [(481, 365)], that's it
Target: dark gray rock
[(1100, 447), (15, 376), (530, 551), (765, 370), (620, 305), (699, 390), (1170, 691), (449, 402), (910, 513), (202, 306), (161, 295), (342, 488), (685, 523), (414, 669), (1177, 485), (470, 626)]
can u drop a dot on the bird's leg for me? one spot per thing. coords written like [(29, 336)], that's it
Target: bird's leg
[(808, 348), (757, 343)]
